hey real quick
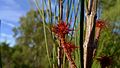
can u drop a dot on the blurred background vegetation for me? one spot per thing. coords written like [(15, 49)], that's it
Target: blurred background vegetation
[(30, 48)]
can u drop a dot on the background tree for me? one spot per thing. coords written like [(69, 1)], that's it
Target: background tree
[(30, 34), (5, 51)]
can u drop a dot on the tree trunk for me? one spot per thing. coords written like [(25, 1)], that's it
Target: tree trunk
[(90, 33)]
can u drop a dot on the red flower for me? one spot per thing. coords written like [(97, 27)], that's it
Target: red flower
[(100, 23), (61, 29), (69, 47)]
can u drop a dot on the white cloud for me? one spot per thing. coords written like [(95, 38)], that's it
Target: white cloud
[(7, 23), (6, 35)]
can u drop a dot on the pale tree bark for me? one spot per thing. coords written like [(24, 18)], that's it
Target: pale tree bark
[(60, 57), (90, 33)]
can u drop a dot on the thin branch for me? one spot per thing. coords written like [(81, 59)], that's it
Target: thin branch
[(60, 9), (60, 50)]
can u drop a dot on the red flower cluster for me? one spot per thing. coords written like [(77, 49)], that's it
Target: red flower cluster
[(61, 29), (105, 61), (100, 23)]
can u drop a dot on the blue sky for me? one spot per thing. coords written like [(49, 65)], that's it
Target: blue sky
[(10, 12)]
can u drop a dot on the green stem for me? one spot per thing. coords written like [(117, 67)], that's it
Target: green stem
[(64, 61), (45, 36)]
